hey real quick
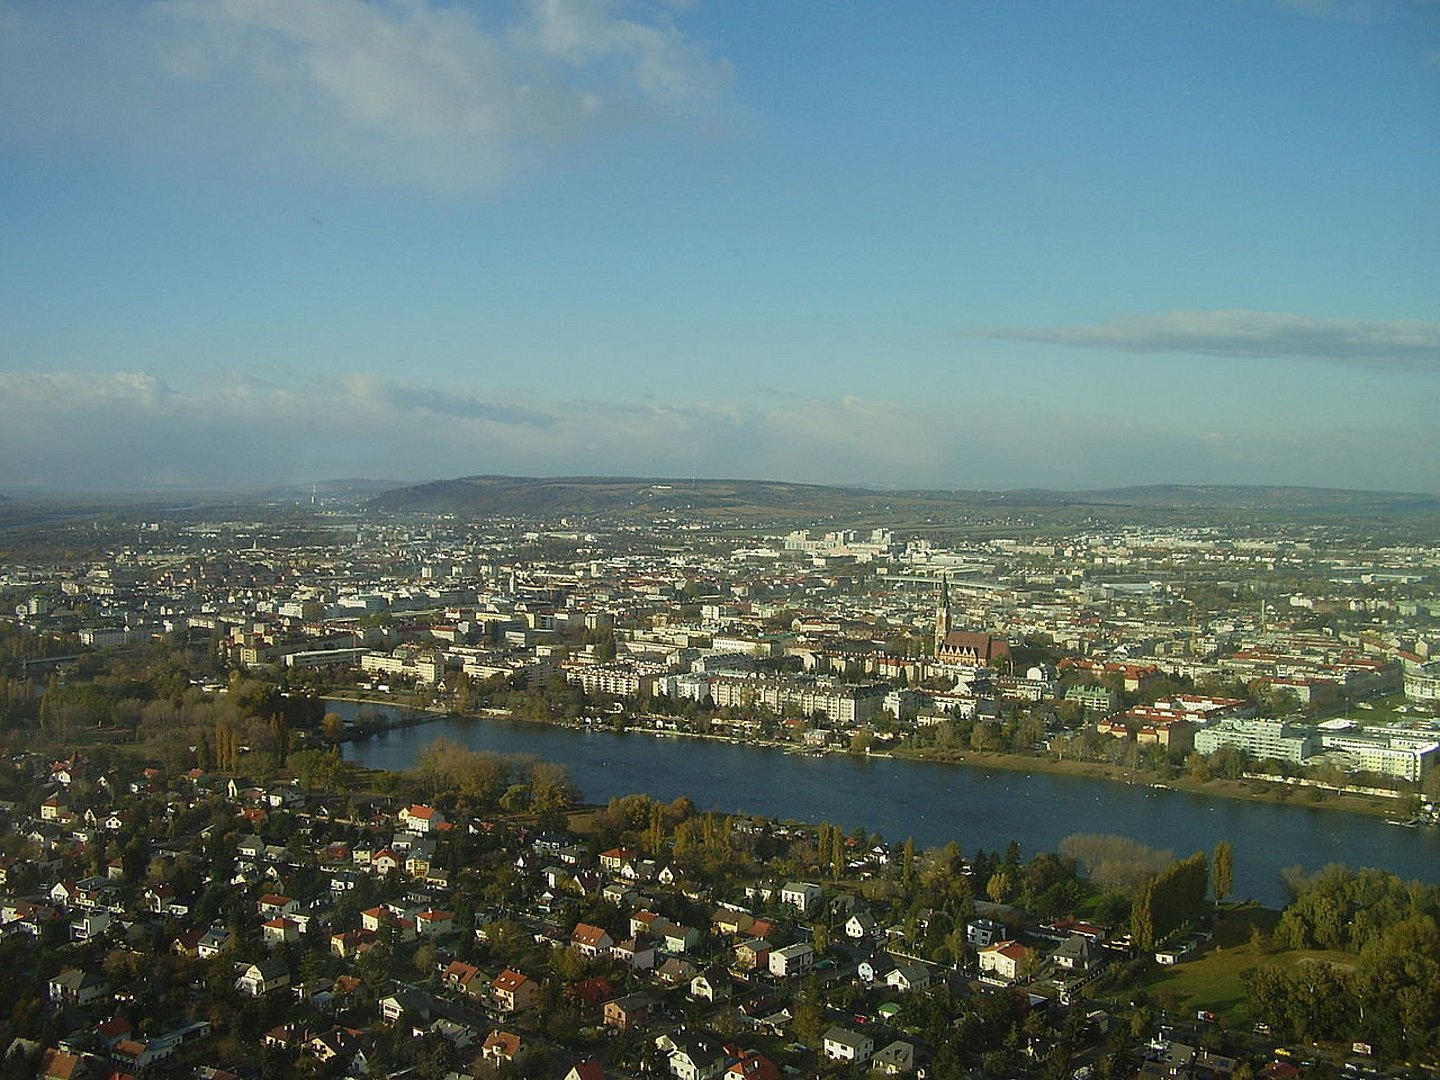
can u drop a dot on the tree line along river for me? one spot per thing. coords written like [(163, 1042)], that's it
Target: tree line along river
[(935, 803)]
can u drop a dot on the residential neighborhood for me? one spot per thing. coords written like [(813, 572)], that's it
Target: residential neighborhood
[(360, 966), (195, 877)]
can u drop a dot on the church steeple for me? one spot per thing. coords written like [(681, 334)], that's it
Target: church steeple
[(942, 614)]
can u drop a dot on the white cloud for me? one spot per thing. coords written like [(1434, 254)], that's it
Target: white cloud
[(409, 93), (1410, 343), (383, 395), (128, 431), (666, 68)]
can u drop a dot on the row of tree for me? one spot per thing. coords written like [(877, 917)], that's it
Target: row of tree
[(1171, 899)]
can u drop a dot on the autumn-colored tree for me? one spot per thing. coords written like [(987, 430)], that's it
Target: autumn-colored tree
[(1000, 887), (1222, 870)]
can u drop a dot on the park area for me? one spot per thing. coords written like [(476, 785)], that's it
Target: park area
[(1209, 979)]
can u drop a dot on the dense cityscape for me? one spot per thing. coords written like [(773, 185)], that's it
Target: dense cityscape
[(640, 539), (200, 880)]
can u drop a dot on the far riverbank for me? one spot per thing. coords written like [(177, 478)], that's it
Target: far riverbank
[(1248, 790), (1251, 790), (976, 804)]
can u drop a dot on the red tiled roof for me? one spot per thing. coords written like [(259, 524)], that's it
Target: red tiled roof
[(509, 980)]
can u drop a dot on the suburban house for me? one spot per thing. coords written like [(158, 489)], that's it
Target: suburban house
[(1003, 960), (895, 1059), (634, 955), (279, 931), (406, 1001), (675, 938), (90, 925), (213, 942), (982, 933), (675, 971), (729, 921), (422, 820), (841, 1044), (628, 1012), (75, 987), (502, 1048), (614, 859), (514, 992), (800, 895), (753, 954), (792, 961), (462, 977), (591, 940), (859, 925), (273, 904), (753, 1066), (434, 923), (691, 1057), (1075, 953), (264, 977), (713, 984), (908, 977)]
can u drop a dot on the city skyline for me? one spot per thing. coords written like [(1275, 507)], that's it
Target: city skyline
[(944, 245)]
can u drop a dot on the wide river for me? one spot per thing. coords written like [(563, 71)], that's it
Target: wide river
[(935, 803)]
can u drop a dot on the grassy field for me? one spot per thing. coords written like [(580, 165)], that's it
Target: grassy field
[(1210, 979)]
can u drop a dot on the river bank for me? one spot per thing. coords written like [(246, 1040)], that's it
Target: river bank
[(1251, 790), (975, 803), (1247, 790)]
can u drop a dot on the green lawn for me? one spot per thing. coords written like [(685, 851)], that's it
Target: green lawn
[(1210, 979)]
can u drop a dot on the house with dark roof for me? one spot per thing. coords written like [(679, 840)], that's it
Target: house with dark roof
[(630, 1011), (842, 1044)]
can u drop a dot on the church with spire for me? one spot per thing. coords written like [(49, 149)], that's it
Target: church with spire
[(964, 648)]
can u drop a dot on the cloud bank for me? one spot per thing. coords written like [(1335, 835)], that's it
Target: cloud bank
[(85, 431), (1408, 343), (423, 94)]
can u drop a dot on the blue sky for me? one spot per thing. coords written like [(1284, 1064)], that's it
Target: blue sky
[(942, 244)]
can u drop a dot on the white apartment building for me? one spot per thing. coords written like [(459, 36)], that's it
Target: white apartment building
[(1399, 752), (1260, 739), (422, 667), (622, 679), (844, 705), (1422, 682)]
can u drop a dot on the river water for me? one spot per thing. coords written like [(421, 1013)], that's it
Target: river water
[(935, 803)]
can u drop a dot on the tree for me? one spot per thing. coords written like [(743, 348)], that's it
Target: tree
[(1170, 900), (1000, 887), (464, 691), (319, 769), (605, 648), (655, 832), (551, 787), (809, 1020), (1223, 870)]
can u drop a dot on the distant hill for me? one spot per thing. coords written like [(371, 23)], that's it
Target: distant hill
[(548, 497), (1242, 497)]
